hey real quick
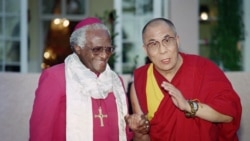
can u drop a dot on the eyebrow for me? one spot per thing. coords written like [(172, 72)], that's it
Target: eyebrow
[(168, 36), (151, 40)]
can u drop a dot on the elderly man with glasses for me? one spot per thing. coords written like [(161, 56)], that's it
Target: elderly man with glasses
[(185, 97), (81, 99)]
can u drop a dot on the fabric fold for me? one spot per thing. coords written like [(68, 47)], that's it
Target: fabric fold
[(82, 85)]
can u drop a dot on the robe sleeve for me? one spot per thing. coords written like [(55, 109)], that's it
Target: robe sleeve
[(218, 93), (46, 106)]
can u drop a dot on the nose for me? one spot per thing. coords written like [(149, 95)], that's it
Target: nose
[(104, 54), (162, 48)]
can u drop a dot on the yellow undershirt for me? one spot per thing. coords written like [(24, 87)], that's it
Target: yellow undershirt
[(153, 93)]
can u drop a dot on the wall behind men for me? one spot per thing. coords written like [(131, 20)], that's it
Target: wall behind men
[(184, 14)]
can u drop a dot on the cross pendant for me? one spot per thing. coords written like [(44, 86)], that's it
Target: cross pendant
[(101, 116)]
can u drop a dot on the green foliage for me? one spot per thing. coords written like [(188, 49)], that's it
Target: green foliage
[(227, 34), (109, 19)]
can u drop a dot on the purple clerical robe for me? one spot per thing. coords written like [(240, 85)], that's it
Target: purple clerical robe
[(48, 118)]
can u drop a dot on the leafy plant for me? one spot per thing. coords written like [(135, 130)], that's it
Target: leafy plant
[(227, 34), (109, 19)]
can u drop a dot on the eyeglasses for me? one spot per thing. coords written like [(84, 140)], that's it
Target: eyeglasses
[(99, 49), (167, 42)]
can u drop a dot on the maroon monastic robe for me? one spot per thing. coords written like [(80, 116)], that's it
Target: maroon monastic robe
[(48, 119), (198, 78)]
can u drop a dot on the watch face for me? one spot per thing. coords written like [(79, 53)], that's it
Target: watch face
[(195, 104)]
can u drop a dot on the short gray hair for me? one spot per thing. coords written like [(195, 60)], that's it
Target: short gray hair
[(78, 37)]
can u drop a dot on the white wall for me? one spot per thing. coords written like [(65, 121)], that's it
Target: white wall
[(184, 14), (17, 95), (241, 83)]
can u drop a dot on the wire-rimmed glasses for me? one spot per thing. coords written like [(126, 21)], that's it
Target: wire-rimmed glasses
[(99, 49), (168, 41)]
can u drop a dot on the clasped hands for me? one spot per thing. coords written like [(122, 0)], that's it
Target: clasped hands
[(138, 123)]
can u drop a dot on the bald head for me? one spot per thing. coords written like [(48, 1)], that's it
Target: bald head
[(156, 22)]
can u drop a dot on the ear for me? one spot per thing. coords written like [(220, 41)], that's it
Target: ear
[(77, 49)]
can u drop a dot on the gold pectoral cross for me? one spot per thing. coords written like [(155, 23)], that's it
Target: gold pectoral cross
[(101, 116)]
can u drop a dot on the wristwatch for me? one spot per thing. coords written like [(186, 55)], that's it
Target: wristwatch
[(194, 108)]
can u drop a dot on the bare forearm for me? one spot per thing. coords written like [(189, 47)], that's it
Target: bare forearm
[(207, 113), (194, 108)]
